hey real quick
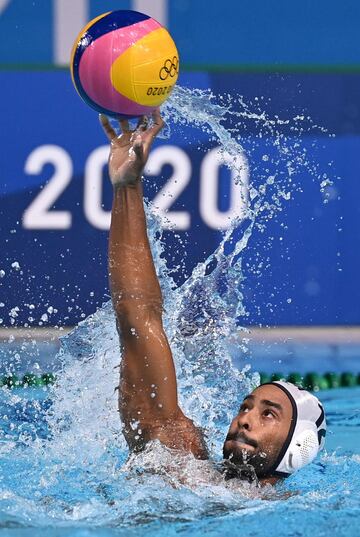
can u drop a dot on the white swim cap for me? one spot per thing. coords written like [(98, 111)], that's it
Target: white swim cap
[(307, 432)]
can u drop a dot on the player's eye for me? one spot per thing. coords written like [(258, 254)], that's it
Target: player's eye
[(269, 413)]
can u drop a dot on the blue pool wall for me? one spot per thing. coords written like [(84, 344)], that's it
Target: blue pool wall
[(300, 57), (314, 259)]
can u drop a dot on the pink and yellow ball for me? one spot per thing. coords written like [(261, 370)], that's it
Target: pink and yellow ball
[(124, 64)]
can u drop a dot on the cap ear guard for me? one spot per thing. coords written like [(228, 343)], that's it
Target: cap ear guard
[(307, 431), (302, 450)]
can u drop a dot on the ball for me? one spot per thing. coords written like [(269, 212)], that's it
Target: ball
[(124, 64)]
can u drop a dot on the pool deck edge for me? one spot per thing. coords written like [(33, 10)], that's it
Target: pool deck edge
[(285, 334)]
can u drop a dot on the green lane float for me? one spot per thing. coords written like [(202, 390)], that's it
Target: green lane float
[(296, 379), (348, 379), (29, 380), (314, 381), (333, 379), (311, 381)]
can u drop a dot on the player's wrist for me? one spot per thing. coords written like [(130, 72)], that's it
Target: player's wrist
[(126, 180)]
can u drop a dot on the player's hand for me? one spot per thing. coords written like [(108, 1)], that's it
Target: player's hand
[(130, 150)]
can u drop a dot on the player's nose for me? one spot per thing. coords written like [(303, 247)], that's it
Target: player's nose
[(245, 420)]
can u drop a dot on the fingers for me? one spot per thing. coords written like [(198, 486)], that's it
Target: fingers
[(142, 123), (138, 146), (124, 126), (158, 123), (156, 116), (109, 131)]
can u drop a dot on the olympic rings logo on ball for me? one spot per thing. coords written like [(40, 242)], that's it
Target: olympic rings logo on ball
[(170, 68)]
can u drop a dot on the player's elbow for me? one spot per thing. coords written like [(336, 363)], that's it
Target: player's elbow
[(134, 312)]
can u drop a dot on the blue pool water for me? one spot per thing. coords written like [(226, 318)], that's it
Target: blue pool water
[(47, 490)]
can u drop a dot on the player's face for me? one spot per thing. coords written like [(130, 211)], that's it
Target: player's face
[(260, 429)]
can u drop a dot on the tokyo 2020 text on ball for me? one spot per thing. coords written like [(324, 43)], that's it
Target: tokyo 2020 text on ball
[(124, 64)]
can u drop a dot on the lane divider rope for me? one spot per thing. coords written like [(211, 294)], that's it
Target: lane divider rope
[(310, 381), (315, 381), (28, 380)]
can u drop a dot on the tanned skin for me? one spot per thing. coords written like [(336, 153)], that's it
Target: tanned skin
[(148, 400), (148, 390)]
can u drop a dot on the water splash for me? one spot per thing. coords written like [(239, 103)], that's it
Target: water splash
[(200, 316), (78, 470)]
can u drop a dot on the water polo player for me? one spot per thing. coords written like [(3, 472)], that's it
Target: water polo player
[(279, 428)]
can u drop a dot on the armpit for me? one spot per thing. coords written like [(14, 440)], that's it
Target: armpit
[(179, 434)]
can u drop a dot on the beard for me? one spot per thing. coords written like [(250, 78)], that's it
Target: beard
[(243, 461)]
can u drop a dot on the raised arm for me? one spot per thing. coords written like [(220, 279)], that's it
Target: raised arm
[(148, 402)]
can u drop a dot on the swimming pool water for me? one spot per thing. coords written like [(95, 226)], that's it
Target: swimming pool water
[(41, 493)]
